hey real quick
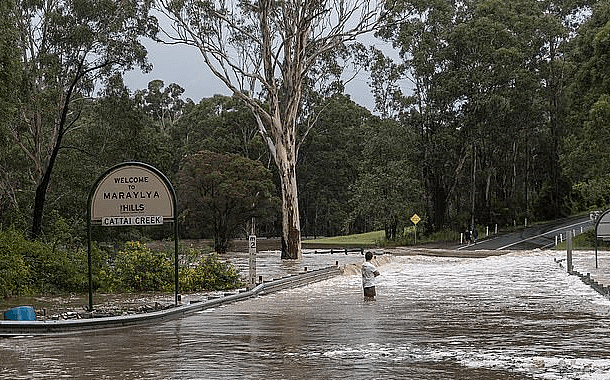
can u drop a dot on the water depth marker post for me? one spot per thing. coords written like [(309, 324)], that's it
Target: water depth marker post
[(132, 194), (252, 257)]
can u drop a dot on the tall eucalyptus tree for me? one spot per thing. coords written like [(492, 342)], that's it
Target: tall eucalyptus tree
[(585, 158), (263, 51)]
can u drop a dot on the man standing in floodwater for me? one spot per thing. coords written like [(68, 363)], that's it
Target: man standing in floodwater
[(369, 272)]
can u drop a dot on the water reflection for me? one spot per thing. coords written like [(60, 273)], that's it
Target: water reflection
[(511, 317)]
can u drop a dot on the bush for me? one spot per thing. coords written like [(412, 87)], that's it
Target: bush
[(14, 273), (104, 276), (209, 274), (408, 237), (585, 241), (28, 267), (33, 266), (140, 269), (57, 271)]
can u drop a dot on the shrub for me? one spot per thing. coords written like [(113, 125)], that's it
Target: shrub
[(209, 274), (60, 270), (140, 269), (104, 276), (38, 267), (14, 273)]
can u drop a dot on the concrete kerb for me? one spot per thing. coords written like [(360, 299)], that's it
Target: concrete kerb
[(598, 287), (588, 280), (54, 327)]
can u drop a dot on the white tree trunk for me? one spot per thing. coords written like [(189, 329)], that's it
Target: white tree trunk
[(291, 225), (263, 51), (285, 159)]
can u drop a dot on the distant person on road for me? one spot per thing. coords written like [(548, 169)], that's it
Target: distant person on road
[(467, 236), (369, 272), (475, 234)]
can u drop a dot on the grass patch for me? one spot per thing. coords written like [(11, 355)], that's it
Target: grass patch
[(357, 240), (584, 242)]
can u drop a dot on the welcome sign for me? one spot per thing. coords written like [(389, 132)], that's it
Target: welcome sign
[(132, 195)]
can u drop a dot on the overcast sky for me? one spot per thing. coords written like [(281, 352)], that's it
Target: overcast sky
[(184, 66)]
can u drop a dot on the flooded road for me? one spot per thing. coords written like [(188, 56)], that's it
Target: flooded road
[(518, 316)]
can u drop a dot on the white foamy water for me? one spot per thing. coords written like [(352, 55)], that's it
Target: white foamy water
[(518, 316)]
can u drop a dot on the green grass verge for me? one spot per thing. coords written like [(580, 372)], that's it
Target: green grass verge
[(584, 242), (357, 240)]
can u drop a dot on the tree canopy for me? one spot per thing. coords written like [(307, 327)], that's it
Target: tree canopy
[(221, 193), (66, 47), (264, 52), (505, 115)]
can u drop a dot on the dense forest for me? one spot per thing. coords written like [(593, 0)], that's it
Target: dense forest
[(488, 112)]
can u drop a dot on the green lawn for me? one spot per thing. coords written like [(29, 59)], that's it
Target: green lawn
[(366, 239)]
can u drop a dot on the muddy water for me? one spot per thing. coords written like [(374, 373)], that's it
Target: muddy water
[(509, 317)]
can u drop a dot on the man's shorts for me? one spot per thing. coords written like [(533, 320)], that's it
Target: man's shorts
[(369, 292)]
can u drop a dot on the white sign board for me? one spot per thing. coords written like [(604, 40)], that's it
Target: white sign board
[(131, 195)]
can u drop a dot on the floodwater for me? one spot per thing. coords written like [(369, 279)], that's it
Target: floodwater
[(518, 316)]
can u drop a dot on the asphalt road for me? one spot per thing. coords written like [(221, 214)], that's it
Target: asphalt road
[(537, 236)]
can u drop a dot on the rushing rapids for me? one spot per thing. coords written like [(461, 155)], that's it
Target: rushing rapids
[(516, 316)]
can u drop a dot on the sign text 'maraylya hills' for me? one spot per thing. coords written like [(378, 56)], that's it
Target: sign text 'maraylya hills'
[(131, 191), (132, 195)]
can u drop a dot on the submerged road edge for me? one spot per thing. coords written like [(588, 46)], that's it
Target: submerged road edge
[(588, 280), (56, 327)]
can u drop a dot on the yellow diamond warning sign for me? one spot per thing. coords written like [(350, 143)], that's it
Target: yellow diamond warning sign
[(415, 218)]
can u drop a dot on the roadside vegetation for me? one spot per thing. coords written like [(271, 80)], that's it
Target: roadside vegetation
[(584, 242), (378, 239), (28, 268), (368, 239)]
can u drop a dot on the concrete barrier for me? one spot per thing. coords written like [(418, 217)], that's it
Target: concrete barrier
[(52, 327), (588, 280)]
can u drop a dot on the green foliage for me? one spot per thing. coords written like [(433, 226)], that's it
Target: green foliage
[(506, 112), (387, 190), (209, 273), (364, 239), (583, 157), (104, 275), (408, 237), (138, 268), (34, 267), (14, 273), (328, 166), (66, 49), (12, 172), (584, 241), (220, 193), (10, 70), (55, 271), (592, 194), (488, 103), (585, 160), (165, 106), (40, 267), (219, 124)]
